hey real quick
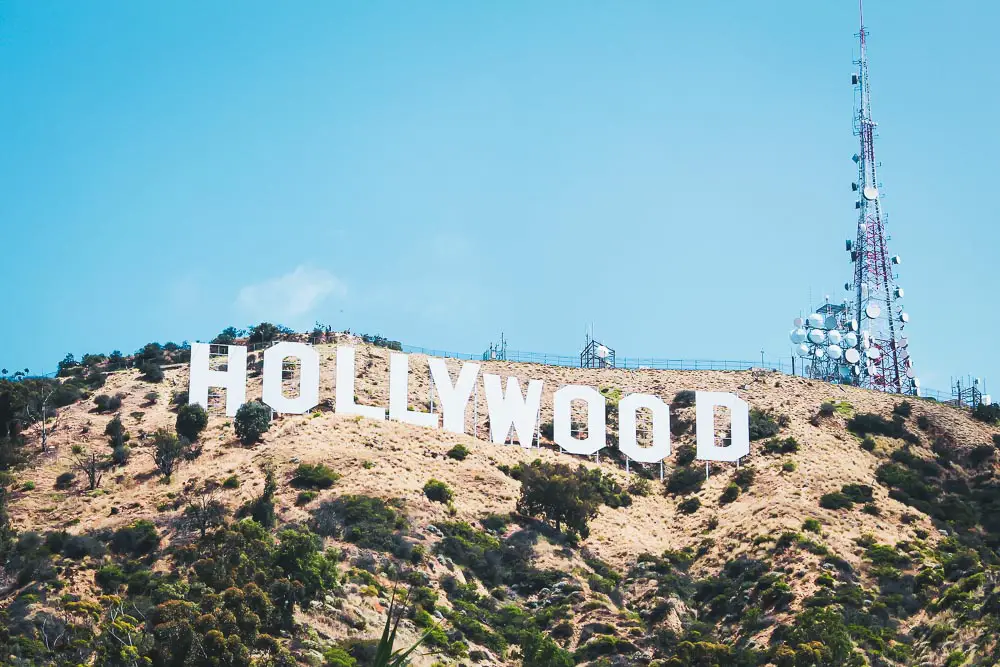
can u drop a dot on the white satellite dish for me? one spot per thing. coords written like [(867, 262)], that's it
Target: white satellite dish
[(834, 352), (819, 352), (797, 335), (830, 322), (866, 340), (855, 369), (916, 382), (815, 320), (817, 336), (834, 337), (852, 355), (987, 399), (602, 352), (873, 353), (802, 350), (872, 310), (911, 373), (870, 192), (853, 325), (899, 292), (904, 317), (798, 321), (896, 259), (850, 339)]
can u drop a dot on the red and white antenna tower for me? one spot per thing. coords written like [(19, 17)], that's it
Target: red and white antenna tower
[(884, 361)]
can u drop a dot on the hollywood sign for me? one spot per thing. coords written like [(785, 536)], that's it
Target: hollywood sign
[(507, 406)]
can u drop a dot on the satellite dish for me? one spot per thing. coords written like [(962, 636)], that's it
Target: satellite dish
[(873, 353), (911, 373), (602, 352), (870, 192), (834, 337), (819, 352), (866, 340), (855, 369), (830, 322), (817, 336), (798, 335), (899, 292), (872, 310), (904, 317), (916, 382), (853, 325), (798, 321), (850, 339), (896, 259), (815, 320), (802, 350), (834, 352), (904, 341), (852, 355), (987, 399)]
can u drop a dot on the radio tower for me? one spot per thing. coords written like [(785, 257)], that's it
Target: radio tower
[(883, 358)]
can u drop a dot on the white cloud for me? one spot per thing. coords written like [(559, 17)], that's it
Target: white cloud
[(291, 295)]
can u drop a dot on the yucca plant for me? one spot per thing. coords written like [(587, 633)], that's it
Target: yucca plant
[(384, 655)]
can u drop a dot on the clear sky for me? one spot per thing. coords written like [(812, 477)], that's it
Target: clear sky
[(676, 173)]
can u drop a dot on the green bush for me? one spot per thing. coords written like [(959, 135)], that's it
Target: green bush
[(835, 501), (873, 424), (923, 422), (253, 419), (438, 491), (314, 476), (168, 451), (458, 452), (686, 454), (137, 539), (788, 466), (827, 409), (904, 409), (731, 493), (987, 413), (191, 421), (151, 372), (231, 482), (560, 494), (305, 497), (764, 424), (368, 522), (689, 505), (639, 486), (868, 443), (743, 477), (812, 525), (685, 479), (858, 493), (787, 445)]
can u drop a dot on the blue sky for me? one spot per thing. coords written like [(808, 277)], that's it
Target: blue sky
[(677, 174)]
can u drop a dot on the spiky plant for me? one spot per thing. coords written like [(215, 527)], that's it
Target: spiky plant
[(384, 655)]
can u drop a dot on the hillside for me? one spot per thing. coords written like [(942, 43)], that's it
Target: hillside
[(775, 563)]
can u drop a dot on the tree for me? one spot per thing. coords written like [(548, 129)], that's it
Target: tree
[(263, 333), (252, 420), (90, 464), (37, 408), (168, 451), (118, 438), (228, 336), (205, 511), (191, 421), (151, 372), (559, 493)]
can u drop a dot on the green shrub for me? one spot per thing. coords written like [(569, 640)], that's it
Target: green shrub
[(763, 424), (314, 476), (873, 424), (686, 454), (151, 372), (827, 409), (28, 486), (438, 491), (689, 505), (868, 443), (685, 479), (904, 409), (151, 397), (835, 501), (305, 497), (787, 445), (231, 482), (858, 493), (253, 419), (996, 439), (458, 452), (191, 421), (168, 451), (639, 486), (137, 539), (561, 494), (730, 493), (110, 577), (788, 466), (812, 525), (923, 422), (743, 477), (363, 520)]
